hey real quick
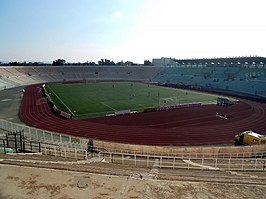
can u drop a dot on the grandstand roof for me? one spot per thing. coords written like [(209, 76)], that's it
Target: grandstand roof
[(234, 60)]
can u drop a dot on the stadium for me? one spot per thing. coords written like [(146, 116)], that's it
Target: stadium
[(243, 78), (183, 114)]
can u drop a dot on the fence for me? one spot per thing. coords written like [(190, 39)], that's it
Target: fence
[(195, 161), (35, 134), (38, 140), (217, 158), (196, 152), (18, 142)]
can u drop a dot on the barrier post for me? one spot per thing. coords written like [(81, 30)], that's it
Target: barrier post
[(39, 147), (86, 153), (23, 144), (43, 136), (65, 152), (54, 151), (36, 134), (174, 162), (30, 133), (16, 147), (76, 153), (4, 146), (7, 142), (20, 140), (49, 147)]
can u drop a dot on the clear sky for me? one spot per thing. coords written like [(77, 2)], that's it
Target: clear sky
[(130, 30)]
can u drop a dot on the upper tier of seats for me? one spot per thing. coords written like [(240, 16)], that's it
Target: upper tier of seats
[(245, 80)]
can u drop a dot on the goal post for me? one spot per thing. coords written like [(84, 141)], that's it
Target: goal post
[(168, 101)]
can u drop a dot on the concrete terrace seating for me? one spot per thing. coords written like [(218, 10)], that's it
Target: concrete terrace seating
[(5, 73), (251, 81), (14, 72), (41, 74), (6, 83)]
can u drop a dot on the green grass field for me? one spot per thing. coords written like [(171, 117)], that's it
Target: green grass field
[(99, 99)]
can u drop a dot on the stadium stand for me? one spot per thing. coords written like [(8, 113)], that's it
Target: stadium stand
[(238, 78), (32, 75), (245, 76)]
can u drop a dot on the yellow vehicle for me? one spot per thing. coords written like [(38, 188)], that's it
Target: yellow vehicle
[(250, 138)]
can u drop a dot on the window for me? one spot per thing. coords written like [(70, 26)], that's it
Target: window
[(255, 141), (241, 138), (263, 142)]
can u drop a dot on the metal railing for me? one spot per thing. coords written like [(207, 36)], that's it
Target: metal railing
[(200, 161), (35, 134), (74, 147), (20, 144)]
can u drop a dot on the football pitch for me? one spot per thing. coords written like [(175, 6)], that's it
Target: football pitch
[(99, 99)]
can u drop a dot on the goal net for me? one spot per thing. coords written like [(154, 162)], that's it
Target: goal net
[(169, 101)]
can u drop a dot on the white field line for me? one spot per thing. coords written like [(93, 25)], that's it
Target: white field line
[(141, 106), (61, 101), (108, 106)]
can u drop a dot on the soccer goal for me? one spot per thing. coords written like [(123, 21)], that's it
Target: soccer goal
[(168, 101)]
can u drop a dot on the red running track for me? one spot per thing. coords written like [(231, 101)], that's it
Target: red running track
[(181, 127)]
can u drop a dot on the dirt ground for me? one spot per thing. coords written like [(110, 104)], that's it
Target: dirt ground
[(25, 182)]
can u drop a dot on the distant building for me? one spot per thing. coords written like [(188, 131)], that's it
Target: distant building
[(246, 62), (164, 61)]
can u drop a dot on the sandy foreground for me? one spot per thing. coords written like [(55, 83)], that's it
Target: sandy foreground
[(22, 182)]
